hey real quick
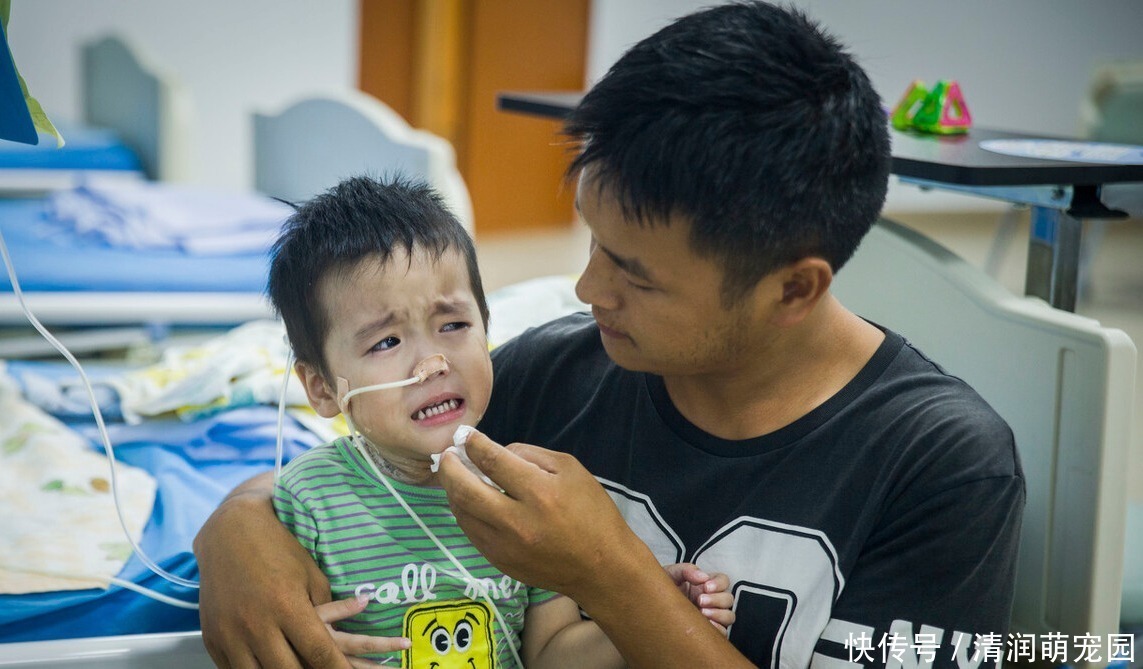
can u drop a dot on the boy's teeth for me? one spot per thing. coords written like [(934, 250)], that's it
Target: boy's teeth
[(447, 405)]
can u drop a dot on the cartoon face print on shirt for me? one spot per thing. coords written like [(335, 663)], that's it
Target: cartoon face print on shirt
[(453, 634)]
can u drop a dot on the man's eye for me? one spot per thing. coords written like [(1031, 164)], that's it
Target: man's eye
[(639, 286), (457, 325), (385, 344)]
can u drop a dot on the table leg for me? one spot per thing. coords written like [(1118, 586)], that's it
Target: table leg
[(1053, 257)]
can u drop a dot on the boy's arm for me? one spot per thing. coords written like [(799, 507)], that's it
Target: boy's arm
[(259, 587), (556, 636)]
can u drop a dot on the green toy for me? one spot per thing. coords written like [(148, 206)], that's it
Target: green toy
[(940, 111)]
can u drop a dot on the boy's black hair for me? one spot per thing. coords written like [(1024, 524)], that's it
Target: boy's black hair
[(357, 218), (752, 123)]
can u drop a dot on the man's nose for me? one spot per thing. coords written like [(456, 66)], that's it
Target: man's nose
[(594, 284)]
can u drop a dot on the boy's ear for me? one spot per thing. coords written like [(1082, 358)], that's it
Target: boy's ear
[(804, 283), (322, 398)]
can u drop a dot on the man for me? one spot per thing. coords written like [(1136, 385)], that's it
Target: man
[(865, 505)]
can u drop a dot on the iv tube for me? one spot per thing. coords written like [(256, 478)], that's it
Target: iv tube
[(143, 557)]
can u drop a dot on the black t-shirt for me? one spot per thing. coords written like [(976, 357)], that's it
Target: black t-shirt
[(879, 529)]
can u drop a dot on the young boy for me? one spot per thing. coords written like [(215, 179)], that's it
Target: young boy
[(377, 282)]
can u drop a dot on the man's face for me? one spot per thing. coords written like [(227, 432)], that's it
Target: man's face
[(658, 304), (384, 319)]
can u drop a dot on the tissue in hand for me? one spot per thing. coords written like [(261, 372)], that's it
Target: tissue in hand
[(459, 439)]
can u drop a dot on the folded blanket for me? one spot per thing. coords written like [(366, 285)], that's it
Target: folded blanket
[(59, 528), (149, 215)]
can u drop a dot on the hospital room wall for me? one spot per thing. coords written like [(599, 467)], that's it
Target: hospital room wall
[(1023, 64), (231, 58)]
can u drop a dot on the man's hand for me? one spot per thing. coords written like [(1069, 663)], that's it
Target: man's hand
[(259, 588), (554, 526)]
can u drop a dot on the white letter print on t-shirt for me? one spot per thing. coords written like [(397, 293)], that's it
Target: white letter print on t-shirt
[(784, 578)]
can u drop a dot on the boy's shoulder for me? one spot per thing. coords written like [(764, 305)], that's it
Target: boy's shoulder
[(324, 459)]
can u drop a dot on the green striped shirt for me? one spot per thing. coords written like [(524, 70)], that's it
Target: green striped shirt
[(367, 544)]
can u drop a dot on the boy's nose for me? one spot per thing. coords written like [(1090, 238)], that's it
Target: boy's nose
[(430, 367)]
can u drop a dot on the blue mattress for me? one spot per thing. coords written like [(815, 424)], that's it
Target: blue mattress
[(85, 149), (195, 465), (48, 259)]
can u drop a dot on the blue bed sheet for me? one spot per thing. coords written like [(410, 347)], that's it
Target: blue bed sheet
[(85, 149), (48, 259), (195, 465)]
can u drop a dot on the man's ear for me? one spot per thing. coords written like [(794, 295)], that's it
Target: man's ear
[(804, 284), (322, 398)]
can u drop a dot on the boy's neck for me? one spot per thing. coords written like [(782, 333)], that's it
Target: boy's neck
[(411, 472)]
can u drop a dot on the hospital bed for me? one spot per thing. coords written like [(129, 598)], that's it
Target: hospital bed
[(70, 279), (1062, 381), (134, 125)]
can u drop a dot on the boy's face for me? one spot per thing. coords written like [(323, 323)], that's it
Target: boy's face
[(384, 319)]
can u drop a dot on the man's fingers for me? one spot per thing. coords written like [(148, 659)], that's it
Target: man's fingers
[(274, 651), (474, 527), (543, 458), (217, 654), (512, 466), (314, 645), (549, 461), (467, 494)]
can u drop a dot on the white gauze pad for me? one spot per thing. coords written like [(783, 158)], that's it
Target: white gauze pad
[(459, 439)]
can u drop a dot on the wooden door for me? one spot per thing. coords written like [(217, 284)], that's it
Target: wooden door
[(440, 64)]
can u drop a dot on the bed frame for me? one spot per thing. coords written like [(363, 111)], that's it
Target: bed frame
[(134, 124), (148, 108), (1063, 382), (314, 143)]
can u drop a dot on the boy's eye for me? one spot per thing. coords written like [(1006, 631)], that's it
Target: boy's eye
[(457, 325), (385, 344), (638, 286)]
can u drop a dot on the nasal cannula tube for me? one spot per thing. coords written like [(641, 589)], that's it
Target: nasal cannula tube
[(425, 369)]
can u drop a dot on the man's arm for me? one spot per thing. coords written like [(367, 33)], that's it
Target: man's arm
[(556, 528), (259, 587)]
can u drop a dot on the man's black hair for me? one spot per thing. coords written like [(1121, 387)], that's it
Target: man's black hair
[(358, 218), (752, 123)]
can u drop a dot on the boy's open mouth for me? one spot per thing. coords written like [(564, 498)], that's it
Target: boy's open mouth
[(437, 409)]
